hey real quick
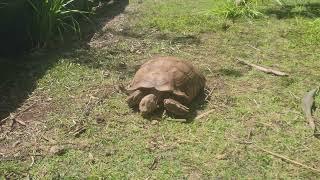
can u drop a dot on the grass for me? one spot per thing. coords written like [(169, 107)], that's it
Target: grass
[(43, 23), (309, 31), (78, 90), (232, 11), (52, 18)]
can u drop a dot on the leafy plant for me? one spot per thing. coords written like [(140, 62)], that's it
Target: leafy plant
[(52, 18), (232, 11), (311, 33)]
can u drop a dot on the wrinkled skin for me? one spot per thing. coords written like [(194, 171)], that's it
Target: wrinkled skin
[(148, 104), (135, 98), (175, 107)]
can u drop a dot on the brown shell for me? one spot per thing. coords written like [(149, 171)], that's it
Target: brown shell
[(169, 74)]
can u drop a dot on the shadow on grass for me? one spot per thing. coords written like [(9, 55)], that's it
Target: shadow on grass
[(308, 10), (19, 75)]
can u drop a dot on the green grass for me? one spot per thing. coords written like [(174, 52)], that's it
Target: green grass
[(53, 18), (43, 23), (309, 32), (249, 105)]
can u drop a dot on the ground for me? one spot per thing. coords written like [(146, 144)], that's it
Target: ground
[(71, 119)]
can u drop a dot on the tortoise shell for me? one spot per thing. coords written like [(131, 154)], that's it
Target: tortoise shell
[(169, 74)]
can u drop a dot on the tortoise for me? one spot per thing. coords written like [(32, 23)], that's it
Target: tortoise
[(167, 82)]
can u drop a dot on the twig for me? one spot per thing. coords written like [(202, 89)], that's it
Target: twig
[(279, 156), (79, 131), (209, 94), (293, 95), (17, 114), (280, 2), (263, 69), (20, 122), (32, 161), (205, 114), (177, 120), (253, 47), (265, 124), (154, 163), (287, 159)]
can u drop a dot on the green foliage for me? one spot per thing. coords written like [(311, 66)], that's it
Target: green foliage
[(28, 24), (232, 11), (312, 32), (53, 17), (178, 16), (184, 23)]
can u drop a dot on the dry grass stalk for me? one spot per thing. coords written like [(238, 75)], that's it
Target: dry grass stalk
[(263, 69)]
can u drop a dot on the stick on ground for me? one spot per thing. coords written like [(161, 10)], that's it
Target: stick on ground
[(205, 114), (14, 116), (263, 69), (287, 159)]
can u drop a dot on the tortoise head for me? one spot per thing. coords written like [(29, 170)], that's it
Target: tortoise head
[(148, 104)]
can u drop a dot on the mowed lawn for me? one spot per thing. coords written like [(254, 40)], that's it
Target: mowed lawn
[(78, 124)]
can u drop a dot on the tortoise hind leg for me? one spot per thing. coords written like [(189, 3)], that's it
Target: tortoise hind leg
[(135, 98), (175, 107)]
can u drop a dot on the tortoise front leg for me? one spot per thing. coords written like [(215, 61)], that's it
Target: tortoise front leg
[(135, 98), (175, 107)]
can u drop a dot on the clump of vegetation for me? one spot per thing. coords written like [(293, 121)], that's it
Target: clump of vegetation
[(50, 18), (27, 24), (310, 32), (231, 10), (305, 32)]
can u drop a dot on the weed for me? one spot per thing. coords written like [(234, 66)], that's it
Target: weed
[(306, 33), (53, 17), (311, 31), (232, 11)]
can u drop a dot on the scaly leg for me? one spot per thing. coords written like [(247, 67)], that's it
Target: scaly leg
[(135, 98), (175, 107)]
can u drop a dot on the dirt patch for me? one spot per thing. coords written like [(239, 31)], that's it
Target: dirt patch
[(20, 129), (111, 26)]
